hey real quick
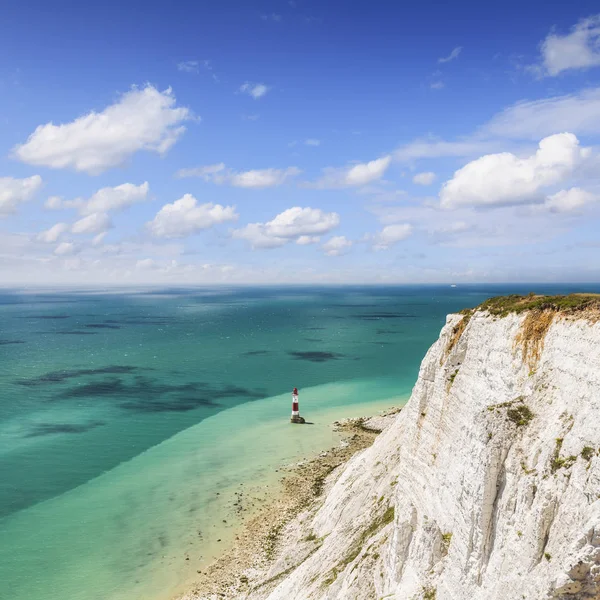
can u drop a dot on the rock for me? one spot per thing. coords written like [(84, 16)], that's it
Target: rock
[(480, 489)]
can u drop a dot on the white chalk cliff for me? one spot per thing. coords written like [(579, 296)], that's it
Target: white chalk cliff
[(486, 486)]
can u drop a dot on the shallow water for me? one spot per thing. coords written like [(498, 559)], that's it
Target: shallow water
[(128, 421)]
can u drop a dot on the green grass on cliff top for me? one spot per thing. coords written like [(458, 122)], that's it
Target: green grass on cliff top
[(504, 305)]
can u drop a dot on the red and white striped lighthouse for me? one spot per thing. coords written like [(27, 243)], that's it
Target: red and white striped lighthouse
[(296, 418)]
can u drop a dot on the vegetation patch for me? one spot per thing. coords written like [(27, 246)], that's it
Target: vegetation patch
[(446, 539), (558, 461), (520, 415), (573, 303), (517, 411), (452, 378), (429, 593), (587, 452)]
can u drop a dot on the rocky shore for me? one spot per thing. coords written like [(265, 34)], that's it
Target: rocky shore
[(253, 564)]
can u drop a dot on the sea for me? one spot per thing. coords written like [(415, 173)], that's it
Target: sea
[(140, 428)]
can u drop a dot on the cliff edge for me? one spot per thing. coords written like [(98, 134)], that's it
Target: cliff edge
[(486, 486)]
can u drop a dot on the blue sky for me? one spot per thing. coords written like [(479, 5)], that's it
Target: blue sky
[(304, 141)]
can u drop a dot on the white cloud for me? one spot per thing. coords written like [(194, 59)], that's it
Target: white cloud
[(146, 263), (300, 224), (15, 191), (305, 240), (256, 90), (272, 17), (437, 85), (579, 49), (256, 178), (500, 179), (454, 54), (115, 198), (51, 235), (426, 178), (65, 248), (206, 172), (93, 223), (436, 148), (312, 142), (336, 246), (578, 113), (185, 217), (142, 119), (189, 66), (97, 241), (359, 174), (390, 235), (58, 203), (567, 201)]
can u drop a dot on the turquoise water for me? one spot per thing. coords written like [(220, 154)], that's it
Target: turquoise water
[(128, 421)]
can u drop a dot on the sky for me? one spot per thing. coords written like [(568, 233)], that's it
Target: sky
[(299, 141)]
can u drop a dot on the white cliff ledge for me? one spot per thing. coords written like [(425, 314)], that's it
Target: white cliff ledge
[(487, 484)]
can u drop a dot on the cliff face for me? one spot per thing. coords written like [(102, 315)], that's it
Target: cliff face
[(486, 486)]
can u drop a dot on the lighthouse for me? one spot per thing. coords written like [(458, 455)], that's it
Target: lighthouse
[(296, 418)]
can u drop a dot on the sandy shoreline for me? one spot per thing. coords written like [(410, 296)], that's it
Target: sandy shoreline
[(243, 568)]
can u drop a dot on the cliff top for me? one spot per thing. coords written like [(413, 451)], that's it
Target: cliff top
[(573, 303)]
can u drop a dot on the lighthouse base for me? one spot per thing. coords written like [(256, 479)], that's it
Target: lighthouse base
[(297, 419)]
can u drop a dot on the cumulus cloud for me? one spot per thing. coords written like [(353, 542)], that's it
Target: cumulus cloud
[(256, 178), (256, 90), (390, 235), (359, 174), (437, 85), (501, 179), (454, 54), (92, 223), (142, 119), (566, 201), (426, 178), (305, 240), (336, 246), (115, 198), (312, 142), (65, 248), (185, 217), (579, 49), (51, 235), (294, 224), (15, 191)]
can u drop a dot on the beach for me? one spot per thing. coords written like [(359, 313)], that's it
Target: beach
[(245, 565)]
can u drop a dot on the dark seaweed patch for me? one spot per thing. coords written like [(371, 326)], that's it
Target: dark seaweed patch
[(8, 342), (317, 357), (376, 316), (313, 339), (48, 317), (75, 332), (144, 394), (42, 429), (314, 328), (61, 376), (386, 331), (102, 326), (256, 353)]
